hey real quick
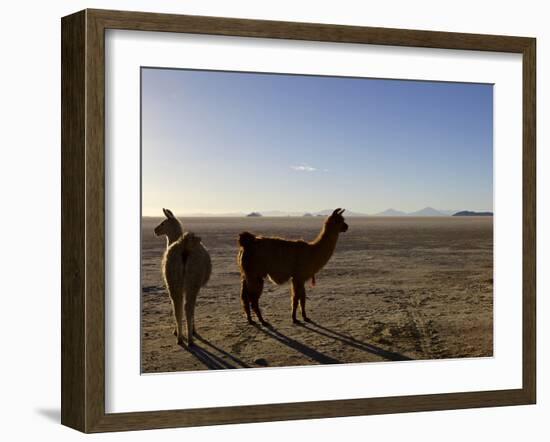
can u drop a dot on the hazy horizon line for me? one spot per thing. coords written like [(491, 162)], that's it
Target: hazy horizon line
[(294, 213)]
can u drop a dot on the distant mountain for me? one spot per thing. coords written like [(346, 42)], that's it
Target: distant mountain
[(279, 213), (213, 215), (348, 213), (448, 212), (427, 211), (470, 213), (391, 212)]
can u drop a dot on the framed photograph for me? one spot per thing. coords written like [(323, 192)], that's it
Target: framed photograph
[(268, 220)]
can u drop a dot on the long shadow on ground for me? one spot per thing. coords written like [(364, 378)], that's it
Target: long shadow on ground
[(214, 362), (353, 342), (298, 346), (235, 359), (211, 360)]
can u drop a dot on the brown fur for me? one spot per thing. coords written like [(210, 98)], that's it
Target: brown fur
[(282, 260)]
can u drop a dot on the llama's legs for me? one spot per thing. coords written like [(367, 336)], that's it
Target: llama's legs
[(254, 296), (298, 294), (190, 299), (245, 300), (194, 331), (294, 300), (303, 305), (177, 306)]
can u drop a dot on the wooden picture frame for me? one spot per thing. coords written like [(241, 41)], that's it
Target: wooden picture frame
[(83, 220)]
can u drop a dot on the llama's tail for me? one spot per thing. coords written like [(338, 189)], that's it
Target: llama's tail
[(246, 239)]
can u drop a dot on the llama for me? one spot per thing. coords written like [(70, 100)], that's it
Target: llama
[(281, 260), (186, 267)]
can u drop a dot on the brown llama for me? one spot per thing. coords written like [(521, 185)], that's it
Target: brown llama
[(281, 260)]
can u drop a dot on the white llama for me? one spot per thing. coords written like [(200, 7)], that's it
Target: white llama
[(186, 267)]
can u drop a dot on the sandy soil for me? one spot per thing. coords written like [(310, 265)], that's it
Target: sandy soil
[(395, 289)]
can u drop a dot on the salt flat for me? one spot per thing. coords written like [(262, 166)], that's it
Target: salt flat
[(396, 288)]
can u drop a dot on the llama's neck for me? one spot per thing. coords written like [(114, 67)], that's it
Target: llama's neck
[(324, 246), (173, 236)]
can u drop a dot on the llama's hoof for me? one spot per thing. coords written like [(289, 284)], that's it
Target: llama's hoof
[(295, 321), (306, 319), (181, 341), (190, 344), (175, 332), (251, 322), (265, 324)]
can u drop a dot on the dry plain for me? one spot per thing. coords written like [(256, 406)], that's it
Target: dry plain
[(396, 288)]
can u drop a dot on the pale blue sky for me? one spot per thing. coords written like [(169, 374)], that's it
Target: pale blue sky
[(220, 142)]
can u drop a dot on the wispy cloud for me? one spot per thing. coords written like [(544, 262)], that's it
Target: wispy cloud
[(303, 168)]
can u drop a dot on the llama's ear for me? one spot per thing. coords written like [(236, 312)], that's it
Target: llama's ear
[(342, 211), (336, 211), (168, 213)]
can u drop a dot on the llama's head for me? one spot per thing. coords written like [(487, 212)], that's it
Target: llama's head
[(335, 221), (190, 241), (170, 227)]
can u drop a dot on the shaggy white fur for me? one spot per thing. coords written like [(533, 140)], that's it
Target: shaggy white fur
[(186, 267)]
